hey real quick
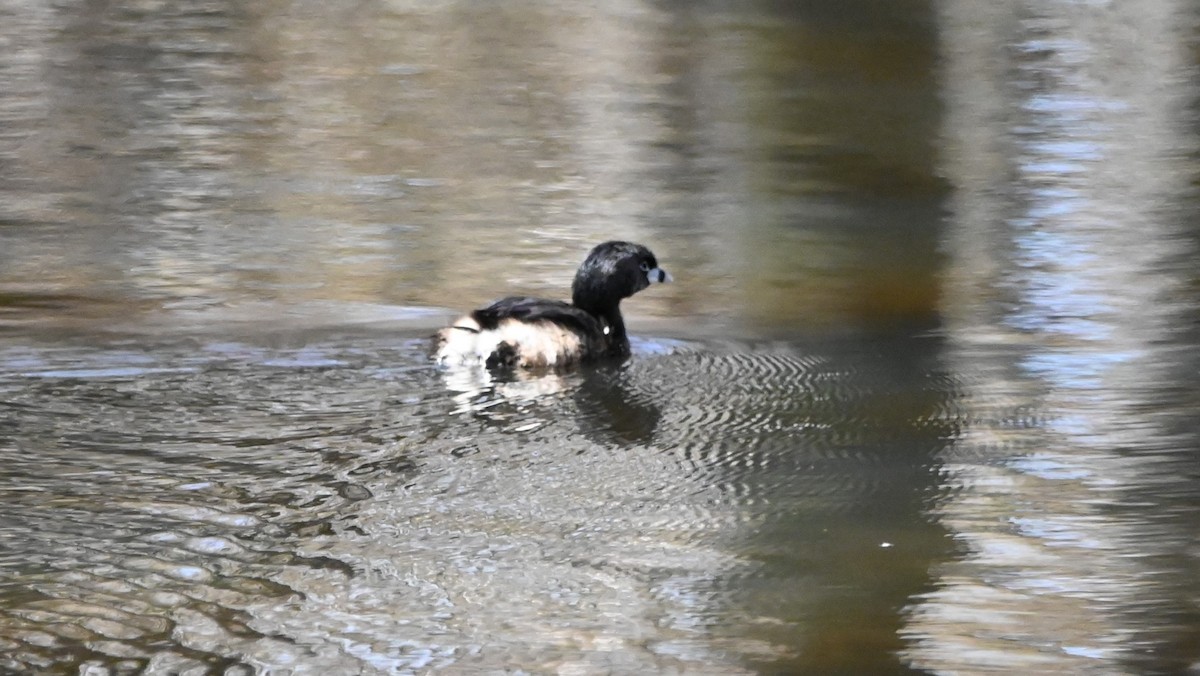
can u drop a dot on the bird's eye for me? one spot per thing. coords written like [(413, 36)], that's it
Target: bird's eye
[(645, 267)]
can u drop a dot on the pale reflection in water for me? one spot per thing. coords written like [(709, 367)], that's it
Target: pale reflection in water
[(1079, 413), (605, 403)]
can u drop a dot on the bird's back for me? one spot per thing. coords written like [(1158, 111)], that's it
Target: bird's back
[(523, 331)]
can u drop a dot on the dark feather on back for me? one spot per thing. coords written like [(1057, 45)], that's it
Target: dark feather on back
[(527, 309)]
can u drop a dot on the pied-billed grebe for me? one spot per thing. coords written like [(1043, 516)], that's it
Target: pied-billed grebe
[(535, 332)]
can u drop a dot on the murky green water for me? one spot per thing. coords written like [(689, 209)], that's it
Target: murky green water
[(922, 398)]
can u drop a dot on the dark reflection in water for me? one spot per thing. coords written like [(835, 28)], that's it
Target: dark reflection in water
[(922, 398), (611, 408)]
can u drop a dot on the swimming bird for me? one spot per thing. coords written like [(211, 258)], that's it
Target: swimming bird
[(525, 332)]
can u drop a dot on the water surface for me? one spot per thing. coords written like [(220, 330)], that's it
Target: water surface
[(922, 398)]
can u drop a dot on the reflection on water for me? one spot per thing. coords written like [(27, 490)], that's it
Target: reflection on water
[(922, 398), (1077, 501)]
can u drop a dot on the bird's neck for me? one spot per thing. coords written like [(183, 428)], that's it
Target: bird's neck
[(609, 316), (618, 340)]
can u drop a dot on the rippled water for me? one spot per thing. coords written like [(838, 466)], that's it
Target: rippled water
[(342, 503), (922, 399)]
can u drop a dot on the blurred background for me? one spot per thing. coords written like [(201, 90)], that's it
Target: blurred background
[(923, 397)]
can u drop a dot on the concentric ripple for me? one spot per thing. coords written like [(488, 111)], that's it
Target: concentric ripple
[(761, 421)]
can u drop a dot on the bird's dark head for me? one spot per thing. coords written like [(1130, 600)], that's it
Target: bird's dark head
[(613, 271)]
